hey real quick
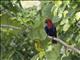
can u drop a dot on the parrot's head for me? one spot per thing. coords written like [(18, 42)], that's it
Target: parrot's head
[(49, 23)]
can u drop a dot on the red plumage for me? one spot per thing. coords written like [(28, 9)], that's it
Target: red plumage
[(50, 24)]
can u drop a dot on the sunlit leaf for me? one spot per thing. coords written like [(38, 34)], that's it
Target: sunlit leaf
[(77, 15), (36, 57), (65, 12), (58, 3), (0, 14), (66, 27), (64, 21)]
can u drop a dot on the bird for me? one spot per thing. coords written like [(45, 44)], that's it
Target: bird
[(50, 29)]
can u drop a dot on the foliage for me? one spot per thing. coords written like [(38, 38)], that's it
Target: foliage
[(22, 30)]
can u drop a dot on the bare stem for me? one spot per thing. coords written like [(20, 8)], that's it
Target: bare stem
[(10, 26), (65, 44)]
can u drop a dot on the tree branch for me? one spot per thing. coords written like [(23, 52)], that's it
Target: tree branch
[(9, 26), (65, 44)]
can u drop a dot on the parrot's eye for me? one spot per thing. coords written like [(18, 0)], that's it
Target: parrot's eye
[(45, 21)]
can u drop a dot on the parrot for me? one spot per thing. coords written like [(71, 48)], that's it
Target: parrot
[(50, 29)]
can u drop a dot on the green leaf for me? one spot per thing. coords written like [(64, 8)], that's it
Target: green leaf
[(66, 58), (77, 16), (66, 27), (35, 57), (58, 3), (54, 54), (46, 12)]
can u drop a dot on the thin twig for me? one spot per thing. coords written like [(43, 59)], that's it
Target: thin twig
[(65, 44), (10, 26)]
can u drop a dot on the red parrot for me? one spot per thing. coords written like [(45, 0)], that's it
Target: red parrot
[(50, 29)]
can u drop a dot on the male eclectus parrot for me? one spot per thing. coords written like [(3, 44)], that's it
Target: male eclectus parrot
[(50, 29)]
